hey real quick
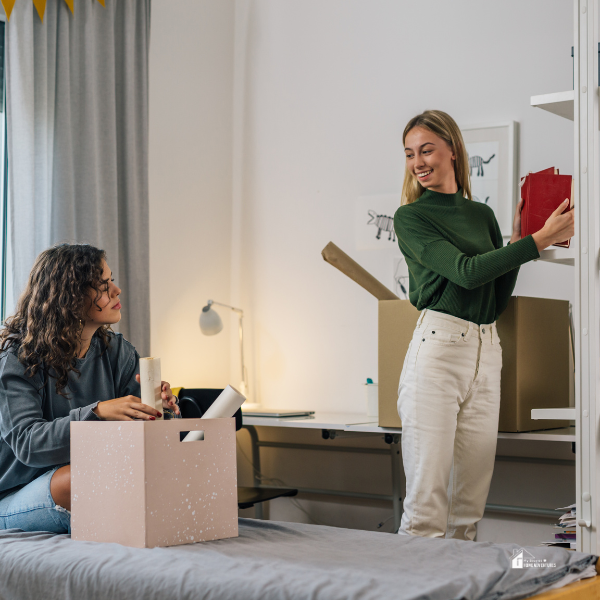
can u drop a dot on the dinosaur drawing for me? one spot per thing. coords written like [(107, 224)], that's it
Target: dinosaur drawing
[(383, 223), (476, 162)]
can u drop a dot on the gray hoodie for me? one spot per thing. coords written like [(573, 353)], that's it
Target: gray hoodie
[(35, 420)]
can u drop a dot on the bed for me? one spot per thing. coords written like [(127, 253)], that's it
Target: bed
[(271, 560)]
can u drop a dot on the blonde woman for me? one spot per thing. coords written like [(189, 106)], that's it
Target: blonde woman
[(461, 278)]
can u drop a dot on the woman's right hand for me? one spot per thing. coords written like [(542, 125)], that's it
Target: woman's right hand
[(558, 228), (127, 408)]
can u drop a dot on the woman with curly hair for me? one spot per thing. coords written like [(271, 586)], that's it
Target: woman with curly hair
[(61, 362)]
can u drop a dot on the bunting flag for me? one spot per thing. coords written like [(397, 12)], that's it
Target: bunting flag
[(40, 6), (8, 6)]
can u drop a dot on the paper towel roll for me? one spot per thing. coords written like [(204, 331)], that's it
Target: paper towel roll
[(150, 383), (225, 406)]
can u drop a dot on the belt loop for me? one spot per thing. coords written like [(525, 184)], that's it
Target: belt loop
[(468, 334), (421, 317)]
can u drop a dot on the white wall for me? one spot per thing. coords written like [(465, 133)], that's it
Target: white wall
[(191, 78), (331, 86)]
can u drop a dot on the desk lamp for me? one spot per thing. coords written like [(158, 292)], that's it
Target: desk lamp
[(211, 324)]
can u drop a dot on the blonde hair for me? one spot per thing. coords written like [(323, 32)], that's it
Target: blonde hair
[(444, 126)]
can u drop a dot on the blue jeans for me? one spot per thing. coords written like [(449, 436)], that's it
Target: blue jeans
[(32, 508)]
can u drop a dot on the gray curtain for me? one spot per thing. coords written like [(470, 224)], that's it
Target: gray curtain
[(77, 110)]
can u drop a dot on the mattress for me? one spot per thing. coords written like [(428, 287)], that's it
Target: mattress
[(272, 560)]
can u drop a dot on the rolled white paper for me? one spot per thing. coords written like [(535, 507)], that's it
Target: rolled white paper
[(225, 406), (150, 383)]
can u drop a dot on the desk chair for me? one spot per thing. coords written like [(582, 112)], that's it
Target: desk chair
[(193, 403)]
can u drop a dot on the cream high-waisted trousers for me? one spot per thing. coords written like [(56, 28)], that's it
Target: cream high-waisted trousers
[(448, 400)]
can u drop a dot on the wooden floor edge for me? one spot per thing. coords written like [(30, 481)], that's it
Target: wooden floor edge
[(585, 589)]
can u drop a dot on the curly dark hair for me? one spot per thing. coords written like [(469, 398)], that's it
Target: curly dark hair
[(46, 327)]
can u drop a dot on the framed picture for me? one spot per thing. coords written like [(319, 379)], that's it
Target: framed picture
[(493, 162)]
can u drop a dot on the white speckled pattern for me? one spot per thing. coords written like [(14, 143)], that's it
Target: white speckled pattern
[(135, 483)]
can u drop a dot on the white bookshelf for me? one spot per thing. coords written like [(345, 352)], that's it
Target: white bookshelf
[(581, 105), (559, 103), (553, 413), (561, 256), (563, 105)]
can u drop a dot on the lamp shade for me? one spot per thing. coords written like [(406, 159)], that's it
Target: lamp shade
[(210, 321)]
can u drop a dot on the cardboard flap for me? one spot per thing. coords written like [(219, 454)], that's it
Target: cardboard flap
[(341, 261)]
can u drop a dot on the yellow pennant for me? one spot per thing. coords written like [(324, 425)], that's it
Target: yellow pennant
[(40, 6), (8, 6)]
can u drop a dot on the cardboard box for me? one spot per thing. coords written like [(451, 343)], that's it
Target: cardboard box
[(535, 338), (135, 483), (534, 333), (396, 324)]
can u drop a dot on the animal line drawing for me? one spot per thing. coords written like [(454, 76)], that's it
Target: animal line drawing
[(477, 162), (483, 201), (383, 223)]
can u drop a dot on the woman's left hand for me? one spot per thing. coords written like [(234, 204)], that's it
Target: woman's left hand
[(516, 234), (168, 400)]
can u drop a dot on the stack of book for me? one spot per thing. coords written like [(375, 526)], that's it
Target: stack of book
[(542, 193), (565, 533)]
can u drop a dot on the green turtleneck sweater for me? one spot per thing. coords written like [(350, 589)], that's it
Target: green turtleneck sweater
[(456, 260)]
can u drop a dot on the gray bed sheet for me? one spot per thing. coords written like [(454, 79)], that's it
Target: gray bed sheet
[(272, 560)]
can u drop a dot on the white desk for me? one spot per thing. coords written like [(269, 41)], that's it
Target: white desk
[(337, 421), (338, 425), (358, 422)]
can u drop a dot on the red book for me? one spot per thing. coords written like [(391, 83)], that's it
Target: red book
[(542, 194), (524, 194)]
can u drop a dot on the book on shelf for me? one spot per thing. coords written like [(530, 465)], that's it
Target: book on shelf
[(542, 193), (568, 544), (566, 534)]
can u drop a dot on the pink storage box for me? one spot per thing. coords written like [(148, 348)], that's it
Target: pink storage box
[(135, 483)]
